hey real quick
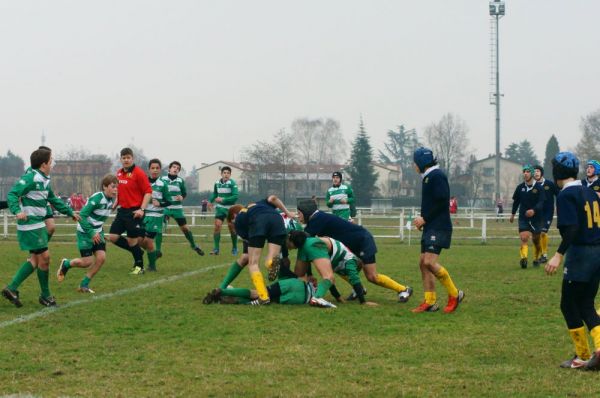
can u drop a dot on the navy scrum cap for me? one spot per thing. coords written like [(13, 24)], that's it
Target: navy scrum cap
[(423, 157), (565, 165), (307, 207), (337, 174)]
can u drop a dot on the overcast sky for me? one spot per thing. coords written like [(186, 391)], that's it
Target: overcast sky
[(199, 80)]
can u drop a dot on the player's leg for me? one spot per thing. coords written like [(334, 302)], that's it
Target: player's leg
[(455, 296), (189, 236), (255, 246), (536, 237), (100, 259), (236, 267), (234, 238), (43, 273), (429, 303), (524, 236), (571, 296), (217, 232)]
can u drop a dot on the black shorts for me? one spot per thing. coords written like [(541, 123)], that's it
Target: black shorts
[(259, 241), (533, 225), (367, 249), (220, 217), (38, 251), (433, 241), (268, 226), (582, 263), (245, 247), (124, 222), (181, 221), (150, 235), (94, 249)]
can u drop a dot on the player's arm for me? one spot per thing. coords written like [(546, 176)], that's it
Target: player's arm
[(164, 202), (328, 200), (276, 202), (59, 204), (214, 195), (19, 189), (350, 193), (87, 210), (568, 227), (516, 202), (183, 189), (539, 206)]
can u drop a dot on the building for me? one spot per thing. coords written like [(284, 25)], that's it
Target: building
[(79, 176), (209, 173)]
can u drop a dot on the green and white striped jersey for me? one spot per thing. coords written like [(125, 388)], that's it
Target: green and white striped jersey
[(175, 187), (338, 193), (31, 194), (160, 193), (94, 213), (226, 190), (339, 255)]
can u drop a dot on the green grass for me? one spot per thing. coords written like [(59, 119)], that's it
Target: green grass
[(506, 339)]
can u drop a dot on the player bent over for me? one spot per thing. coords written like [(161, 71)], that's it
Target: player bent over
[(28, 200), (90, 236), (258, 223), (578, 209), (437, 232), (356, 238), (327, 255), (177, 193)]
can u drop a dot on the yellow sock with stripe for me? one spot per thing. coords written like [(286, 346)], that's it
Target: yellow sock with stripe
[(582, 347), (524, 251), (389, 283), (430, 298), (259, 284), (595, 333), (444, 277), (544, 242)]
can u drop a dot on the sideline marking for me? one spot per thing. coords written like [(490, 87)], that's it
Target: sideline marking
[(105, 296)]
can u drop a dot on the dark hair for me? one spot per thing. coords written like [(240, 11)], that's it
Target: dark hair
[(540, 168), (44, 147), (126, 151), (39, 157), (155, 160), (109, 179), (298, 238), (175, 162), (225, 168)]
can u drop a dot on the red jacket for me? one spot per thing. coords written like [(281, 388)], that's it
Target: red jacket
[(133, 185)]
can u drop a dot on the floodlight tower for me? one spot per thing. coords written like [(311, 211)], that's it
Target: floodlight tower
[(497, 11)]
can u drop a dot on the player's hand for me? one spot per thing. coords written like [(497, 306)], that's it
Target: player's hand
[(139, 213), (331, 200), (155, 203), (291, 215), (218, 200), (530, 213), (553, 264), (370, 304), (178, 198), (418, 222), (76, 217), (21, 216), (96, 239), (343, 201), (512, 218)]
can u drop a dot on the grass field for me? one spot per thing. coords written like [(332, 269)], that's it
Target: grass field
[(150, 335)]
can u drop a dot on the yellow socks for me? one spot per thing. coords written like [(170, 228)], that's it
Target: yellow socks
[(444, 277), (544, 243), (389, 283), (430, 298), (524, 251), (582, 347), (595, 333), (259, 283)]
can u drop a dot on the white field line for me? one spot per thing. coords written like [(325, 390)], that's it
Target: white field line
[(93, 298)]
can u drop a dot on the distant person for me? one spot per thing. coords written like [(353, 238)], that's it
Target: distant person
[(592, 171), (499, 209), (225, 194), (204, 205), (453, 205), (550, 192), (528, 199), (339, 197)]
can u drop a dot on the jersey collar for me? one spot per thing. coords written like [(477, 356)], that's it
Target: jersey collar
[(572, 184), (429, 170)]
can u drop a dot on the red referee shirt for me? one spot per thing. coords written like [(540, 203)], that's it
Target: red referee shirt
[(133, 185)]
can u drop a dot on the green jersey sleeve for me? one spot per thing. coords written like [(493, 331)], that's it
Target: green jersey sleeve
[(314, 248)]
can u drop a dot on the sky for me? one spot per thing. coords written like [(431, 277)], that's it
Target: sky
[(199, 81)]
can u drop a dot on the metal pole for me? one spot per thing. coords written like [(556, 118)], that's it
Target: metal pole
[(497, 108)]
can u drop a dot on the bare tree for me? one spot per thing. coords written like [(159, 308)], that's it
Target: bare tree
[(448, 140), (589, 145)]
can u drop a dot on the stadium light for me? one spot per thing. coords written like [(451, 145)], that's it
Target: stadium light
[(497, 10)]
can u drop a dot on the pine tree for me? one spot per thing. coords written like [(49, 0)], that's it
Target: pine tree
[(552, 149), (361, 168)]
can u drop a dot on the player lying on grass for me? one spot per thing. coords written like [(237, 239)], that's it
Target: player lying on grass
[(328, 256), (356, 238), (90, 235), (288, 289), (578, 210)]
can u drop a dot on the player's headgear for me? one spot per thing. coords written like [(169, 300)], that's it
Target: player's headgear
[(307, 207), (337, 174), (596, 165), (529, 168), (423, 158), (540, 168), (565, 165)]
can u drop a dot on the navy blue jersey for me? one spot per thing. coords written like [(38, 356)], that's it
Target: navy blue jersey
[(434, 201), (242, 220), (550, 192), (326, 224), (527, 198), (579, 206), (594, 185)]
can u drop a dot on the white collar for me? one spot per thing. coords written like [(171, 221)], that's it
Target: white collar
[(429, 170), (574, 183)]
